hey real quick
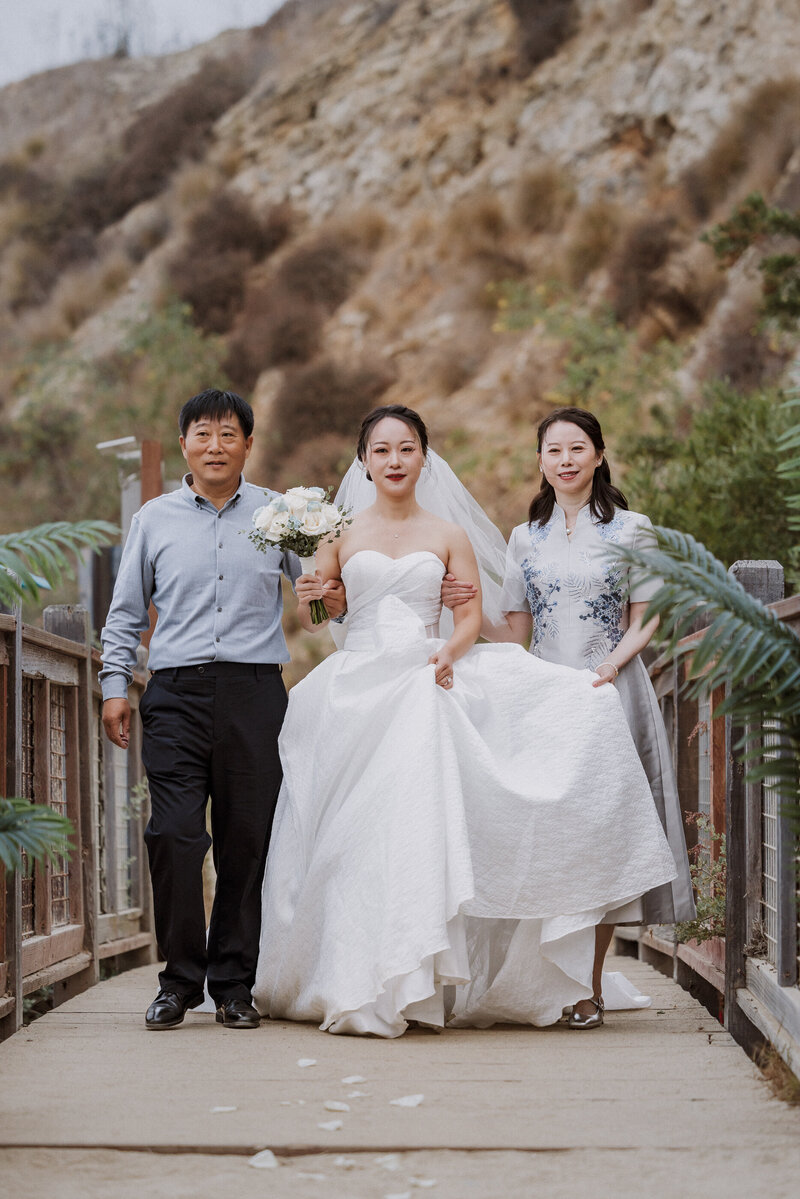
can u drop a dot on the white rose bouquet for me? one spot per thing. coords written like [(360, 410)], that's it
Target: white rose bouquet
[(298, 521)]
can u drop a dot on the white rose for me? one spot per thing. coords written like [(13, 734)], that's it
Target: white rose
[(296, 503), (314, 522), (308, 493), (333, 516), (279, 526), (263, 517)]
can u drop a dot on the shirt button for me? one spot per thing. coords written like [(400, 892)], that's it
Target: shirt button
[(220, 576), (217, 638), (219, 516), (220, 545), (219, 609)]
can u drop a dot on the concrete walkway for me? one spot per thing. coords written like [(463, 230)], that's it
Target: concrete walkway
[(658, 1104)]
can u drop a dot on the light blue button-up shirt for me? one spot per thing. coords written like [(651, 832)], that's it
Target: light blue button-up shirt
[(218, 598)]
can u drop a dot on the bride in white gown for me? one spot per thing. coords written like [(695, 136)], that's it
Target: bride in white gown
[(451, 814)]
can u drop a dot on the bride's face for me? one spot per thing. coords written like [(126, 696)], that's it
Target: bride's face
[(394, 456)]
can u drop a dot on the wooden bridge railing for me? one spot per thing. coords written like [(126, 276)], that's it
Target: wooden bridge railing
[(60, 923), (753, 970)]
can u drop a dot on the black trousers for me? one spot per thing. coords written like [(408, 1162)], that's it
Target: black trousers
[(211, 731)]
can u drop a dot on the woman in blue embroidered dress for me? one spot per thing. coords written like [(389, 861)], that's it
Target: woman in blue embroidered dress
[(580, 606)]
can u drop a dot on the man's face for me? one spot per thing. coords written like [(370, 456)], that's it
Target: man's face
[(215, 452)]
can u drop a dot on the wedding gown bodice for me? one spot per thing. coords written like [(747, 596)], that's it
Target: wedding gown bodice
[(413, 582)]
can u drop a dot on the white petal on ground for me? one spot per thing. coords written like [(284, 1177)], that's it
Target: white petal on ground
[(422, 1182), (352, 1079), (399, 1195), (389, 1161), (358, 1094), (346, 1163), (330, 1125), (306, 1061), (265, 1160), (336, 1105), (286, 1103), (407, 1101), (313, 1177), (224, 1109)]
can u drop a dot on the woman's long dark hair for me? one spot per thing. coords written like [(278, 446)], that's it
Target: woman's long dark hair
[(605, 496), (407, 415)]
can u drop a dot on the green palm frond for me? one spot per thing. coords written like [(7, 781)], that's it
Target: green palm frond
[(744, 646), (39, 830), (44, 551)]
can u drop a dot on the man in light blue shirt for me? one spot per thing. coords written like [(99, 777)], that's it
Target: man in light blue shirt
[(212, 710)]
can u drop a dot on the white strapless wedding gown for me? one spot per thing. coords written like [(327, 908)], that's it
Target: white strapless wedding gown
[(425, 837)]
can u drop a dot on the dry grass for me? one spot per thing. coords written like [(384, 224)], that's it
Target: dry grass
[(81, 291), (323, 270), (750, 152), (736, 349), (274, 328), (325, 395), (224, 239), (544, 26), (591, 234), (543, 199), (641, 252), (779, 1078)]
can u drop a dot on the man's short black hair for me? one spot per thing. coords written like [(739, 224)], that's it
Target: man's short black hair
[(213, 404)]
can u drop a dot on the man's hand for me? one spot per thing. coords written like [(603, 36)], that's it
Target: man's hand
[(455, 592), (335, 597), (117, 721)]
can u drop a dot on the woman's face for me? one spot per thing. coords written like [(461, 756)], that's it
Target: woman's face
[(394, 456), (568, 459)]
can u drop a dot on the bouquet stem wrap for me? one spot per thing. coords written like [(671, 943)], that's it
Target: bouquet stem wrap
[(319, 613)]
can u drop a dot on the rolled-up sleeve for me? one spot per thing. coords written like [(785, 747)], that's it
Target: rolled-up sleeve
[(128, 615)]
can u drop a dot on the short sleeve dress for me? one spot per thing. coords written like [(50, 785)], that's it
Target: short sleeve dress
[(579, 596)]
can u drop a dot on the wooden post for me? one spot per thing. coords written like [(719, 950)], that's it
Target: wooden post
[(73, 622), (764, 580), (13, 782), (152, 485)]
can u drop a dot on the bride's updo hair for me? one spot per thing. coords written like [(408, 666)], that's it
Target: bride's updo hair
[(605, 496), (399, 412)]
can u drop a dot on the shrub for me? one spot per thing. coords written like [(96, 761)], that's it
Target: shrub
[(640, 254), (326, 395), (227, 222), (175, 128), (212, 285), (476, 222), (759, 139), (275, 328), (543, 199), (323, 270), (711, 482), (544, 26), (225, 238), (592, 235)]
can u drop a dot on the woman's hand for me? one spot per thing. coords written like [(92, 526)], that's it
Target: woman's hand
[(443, 661), (308, 588), (456, 592), (607, 672)]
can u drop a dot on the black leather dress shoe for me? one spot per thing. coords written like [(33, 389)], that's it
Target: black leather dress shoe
[(168, 1008), (238, 1013)]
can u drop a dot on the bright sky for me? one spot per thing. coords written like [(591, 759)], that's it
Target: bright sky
[(38, 34)]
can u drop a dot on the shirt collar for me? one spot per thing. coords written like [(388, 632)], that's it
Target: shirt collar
[(199, 501)]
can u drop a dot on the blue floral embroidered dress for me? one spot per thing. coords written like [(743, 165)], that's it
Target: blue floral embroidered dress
[(579, 597)]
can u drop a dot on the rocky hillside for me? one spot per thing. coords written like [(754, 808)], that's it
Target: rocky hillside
[(478, 207)]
